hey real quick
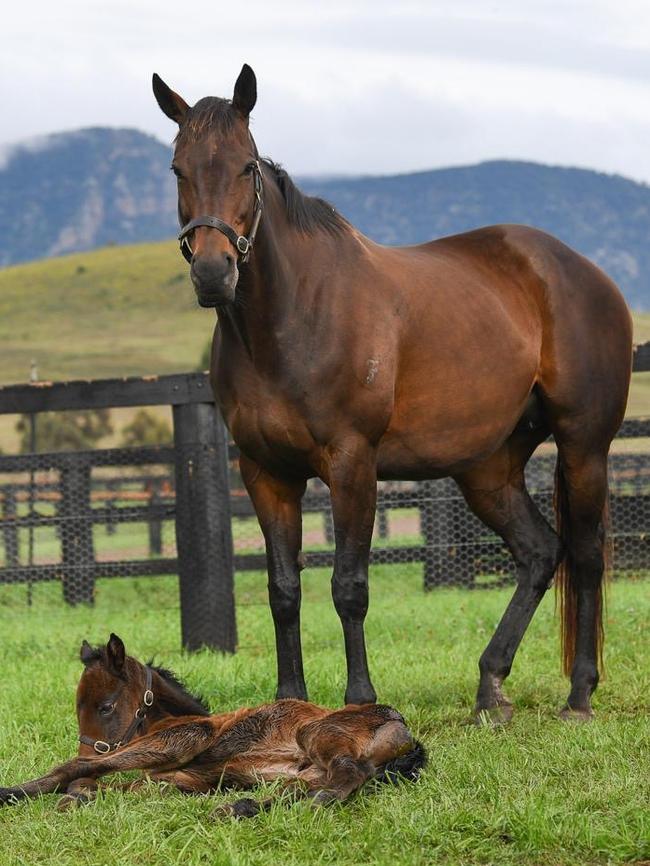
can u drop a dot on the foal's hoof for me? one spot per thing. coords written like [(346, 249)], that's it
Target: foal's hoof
[(244, 808), (322, 798), (70, 801), (493, 717), (10, 796), (567, 714)]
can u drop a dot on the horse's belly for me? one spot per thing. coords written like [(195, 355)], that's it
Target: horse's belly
[(433, 440)]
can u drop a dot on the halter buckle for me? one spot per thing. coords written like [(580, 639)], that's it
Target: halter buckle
[(101, 747), (147, 700), (243, 245)]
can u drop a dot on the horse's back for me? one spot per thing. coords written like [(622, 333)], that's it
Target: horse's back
[(491, 314)]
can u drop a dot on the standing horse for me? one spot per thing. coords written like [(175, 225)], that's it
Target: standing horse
[(340, 358)]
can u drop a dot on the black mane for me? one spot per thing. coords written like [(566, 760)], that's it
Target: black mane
[(191, 703), (307, 213)]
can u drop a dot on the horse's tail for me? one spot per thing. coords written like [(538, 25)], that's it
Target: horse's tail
[(405, 767), (566, 591)]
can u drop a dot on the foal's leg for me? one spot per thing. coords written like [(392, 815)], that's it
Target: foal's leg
[(278, 507), (352, 477), (496, 493), (165, 749)]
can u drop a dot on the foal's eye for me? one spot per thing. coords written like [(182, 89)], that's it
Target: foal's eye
[(176, 171), (106, 708), (248, 169)]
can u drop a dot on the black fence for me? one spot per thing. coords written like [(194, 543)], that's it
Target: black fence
[(76, 517)]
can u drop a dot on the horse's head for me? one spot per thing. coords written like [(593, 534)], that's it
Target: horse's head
[(113, 695), (219, 184)]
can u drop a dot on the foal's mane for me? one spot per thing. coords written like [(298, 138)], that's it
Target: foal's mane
[(197, 703), (307, 213)]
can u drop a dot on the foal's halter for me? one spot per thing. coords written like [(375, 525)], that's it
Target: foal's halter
[(242, 244), (101, 746)]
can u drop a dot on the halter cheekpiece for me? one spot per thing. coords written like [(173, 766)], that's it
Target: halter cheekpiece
[(101, 746), (242, 243)]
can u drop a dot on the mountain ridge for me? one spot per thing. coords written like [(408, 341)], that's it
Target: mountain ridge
[(80, 190)]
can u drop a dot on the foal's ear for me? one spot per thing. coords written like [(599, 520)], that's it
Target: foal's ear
[(171, 104), (116, 653), (87, 653), (245, 95)]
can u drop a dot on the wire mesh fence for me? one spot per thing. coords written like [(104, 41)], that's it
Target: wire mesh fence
[(69, 519), (76, 517)]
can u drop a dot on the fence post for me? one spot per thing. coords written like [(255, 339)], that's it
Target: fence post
[(77, 551), (9, 528), (436, 528), (204, 528), (155, 523)]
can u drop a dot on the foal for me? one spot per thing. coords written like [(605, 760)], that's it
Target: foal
[(139, 717)]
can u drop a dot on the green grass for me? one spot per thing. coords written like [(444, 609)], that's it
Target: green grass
[(538, 792)]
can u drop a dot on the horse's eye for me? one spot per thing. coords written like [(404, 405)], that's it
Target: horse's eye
[(248, 169), (106, 708), (176, 171)]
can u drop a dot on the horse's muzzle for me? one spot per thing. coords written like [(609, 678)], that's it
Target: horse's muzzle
[(214, 279)]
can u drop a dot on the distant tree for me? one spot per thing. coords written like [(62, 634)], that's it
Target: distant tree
[(146, 429), (206, 354), (65, 431)]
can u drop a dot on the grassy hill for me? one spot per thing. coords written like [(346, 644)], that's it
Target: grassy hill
[(117, 311), (123, 311)]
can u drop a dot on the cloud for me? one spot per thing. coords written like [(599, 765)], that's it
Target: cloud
[(351, 86)]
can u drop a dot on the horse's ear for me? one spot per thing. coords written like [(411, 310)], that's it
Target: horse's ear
[(245, 95), (171, 104), (86, 653), (116, 653)]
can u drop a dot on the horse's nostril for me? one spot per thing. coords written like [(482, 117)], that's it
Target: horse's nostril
[(229, 259)]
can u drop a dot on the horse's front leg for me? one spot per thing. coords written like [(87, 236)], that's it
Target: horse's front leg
[(351, 472), (278, 507)]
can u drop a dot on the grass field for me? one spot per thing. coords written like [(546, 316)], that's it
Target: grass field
[(538, 792)]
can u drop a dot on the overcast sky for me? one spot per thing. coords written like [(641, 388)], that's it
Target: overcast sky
[(349, 87)]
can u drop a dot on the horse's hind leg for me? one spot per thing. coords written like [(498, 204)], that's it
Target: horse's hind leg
[(582, 493), (496, 493)]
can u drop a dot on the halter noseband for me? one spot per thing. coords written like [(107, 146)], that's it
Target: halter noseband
[(242, 244), (101, 746)]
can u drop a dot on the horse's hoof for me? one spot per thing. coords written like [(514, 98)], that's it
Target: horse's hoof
[(295, 692), (493, 717), (567, 714), (361, 695)]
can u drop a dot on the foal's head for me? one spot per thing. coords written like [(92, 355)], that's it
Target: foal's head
[(118, 697), (216, 166), (109, 695)]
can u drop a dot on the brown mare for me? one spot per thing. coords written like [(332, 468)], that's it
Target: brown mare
[(339, 358), (139, 717)]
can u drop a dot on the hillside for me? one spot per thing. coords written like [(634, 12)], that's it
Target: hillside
[(112, 312), (80, 190)]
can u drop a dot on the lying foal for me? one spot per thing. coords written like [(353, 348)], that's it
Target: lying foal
[(134, 716)]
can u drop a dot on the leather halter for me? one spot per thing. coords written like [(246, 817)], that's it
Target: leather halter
[(242, 243), (101, 746)]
